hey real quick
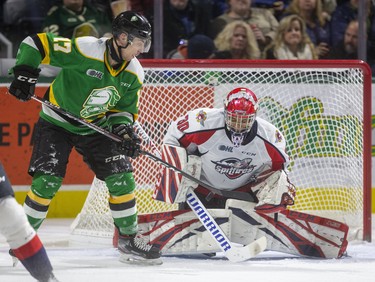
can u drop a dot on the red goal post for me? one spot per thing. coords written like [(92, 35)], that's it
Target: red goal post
[(322, 107)]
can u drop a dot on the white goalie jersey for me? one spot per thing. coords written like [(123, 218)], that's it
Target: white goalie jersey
[(202, 132)]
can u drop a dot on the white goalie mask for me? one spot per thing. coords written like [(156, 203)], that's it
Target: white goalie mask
[(240, 107)]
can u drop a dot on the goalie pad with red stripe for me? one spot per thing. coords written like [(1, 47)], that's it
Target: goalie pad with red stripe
[(172, 186), (291, 232)]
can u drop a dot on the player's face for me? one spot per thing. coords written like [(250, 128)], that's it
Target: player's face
[(240, 122), (136, 47)]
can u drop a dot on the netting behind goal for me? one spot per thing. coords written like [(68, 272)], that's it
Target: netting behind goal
[(322, 107)]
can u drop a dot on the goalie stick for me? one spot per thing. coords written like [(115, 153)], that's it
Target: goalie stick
[(235, 195), (233, 253)]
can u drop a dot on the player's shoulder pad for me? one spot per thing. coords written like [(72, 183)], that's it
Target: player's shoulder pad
[(91, 47), (136, 68), (268, 131), (205, 119)]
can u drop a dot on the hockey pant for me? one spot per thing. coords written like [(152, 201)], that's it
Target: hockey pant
[(52, 148)]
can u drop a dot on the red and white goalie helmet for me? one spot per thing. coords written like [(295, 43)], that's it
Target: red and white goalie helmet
[(240, 107)]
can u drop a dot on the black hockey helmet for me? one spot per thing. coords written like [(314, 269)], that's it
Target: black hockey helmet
[(134, 25)]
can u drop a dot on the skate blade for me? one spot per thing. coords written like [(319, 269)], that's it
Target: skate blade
[(129, 259)]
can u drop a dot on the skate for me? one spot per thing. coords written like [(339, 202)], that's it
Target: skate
[(134, 250), (49, 278)]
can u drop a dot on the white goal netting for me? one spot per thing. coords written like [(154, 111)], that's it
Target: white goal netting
[(320, 108)]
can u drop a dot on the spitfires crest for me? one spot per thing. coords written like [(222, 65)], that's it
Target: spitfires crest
[(234, 168)]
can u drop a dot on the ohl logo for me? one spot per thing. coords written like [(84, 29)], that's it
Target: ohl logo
[(234, 168)]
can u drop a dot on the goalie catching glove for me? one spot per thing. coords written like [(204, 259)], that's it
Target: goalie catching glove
[(274, 193), (23, 85), (131, 145)]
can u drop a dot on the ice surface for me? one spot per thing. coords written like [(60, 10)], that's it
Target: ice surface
[(100, 263)]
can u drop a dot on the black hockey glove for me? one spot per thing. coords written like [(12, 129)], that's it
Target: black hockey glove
[(131, 145), (23, 85)]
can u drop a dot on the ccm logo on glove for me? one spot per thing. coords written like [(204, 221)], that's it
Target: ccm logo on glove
[(27, 79), (23, 85)]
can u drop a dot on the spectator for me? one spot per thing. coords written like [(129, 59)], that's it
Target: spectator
[(262, 21), (291, 42), (347, 49), (73, 19), (197, 47), (317, 26), (236, 41), (347, 11), (181, 20)]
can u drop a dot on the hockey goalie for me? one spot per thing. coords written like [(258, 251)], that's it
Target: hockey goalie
[(244, 157)]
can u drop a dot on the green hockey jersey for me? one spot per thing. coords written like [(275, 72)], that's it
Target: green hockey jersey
[(87, 86), (64, 22)]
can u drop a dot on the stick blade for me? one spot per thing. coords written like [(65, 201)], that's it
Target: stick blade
[(239, 254)]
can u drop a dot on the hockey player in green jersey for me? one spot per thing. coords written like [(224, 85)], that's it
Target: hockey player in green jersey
[(99, 81)]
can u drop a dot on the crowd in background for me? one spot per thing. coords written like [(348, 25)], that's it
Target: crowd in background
[(217, 29)]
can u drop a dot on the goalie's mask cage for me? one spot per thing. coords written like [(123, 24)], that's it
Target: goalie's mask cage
[(240, 107), (135, 26)]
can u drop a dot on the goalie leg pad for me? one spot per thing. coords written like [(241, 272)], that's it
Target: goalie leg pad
[(181, 232), (289, 232)]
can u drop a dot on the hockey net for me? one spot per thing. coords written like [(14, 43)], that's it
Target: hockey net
[(322, 107)]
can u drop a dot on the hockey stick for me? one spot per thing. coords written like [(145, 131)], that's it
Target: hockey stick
[(236, 195), (233, 253)]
